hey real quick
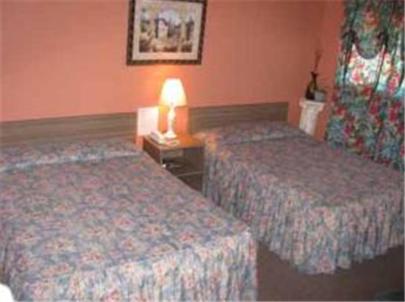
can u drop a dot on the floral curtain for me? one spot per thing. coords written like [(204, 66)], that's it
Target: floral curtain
[(368, 104)]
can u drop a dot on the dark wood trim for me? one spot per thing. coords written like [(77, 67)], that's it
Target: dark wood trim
[(201, 118), (68, 128)]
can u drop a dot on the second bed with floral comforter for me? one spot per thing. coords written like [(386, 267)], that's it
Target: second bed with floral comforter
[(316, 207), (101, 221)]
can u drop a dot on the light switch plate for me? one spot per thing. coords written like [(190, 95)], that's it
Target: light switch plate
[(147, 120)]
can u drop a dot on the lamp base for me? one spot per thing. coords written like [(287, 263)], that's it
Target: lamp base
[(170, 134), (170, 123)]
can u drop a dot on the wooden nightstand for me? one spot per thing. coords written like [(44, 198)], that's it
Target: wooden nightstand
[(185, 160)]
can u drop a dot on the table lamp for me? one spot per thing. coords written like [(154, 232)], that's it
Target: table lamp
[(173, 96)]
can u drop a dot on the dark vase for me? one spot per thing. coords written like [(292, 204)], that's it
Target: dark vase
[(312, 87)]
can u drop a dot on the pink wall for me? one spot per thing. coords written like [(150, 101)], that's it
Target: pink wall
[(330, 37), (64, 58), (1, 58)]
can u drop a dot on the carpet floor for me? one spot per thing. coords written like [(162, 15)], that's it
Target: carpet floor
[(279, 281)]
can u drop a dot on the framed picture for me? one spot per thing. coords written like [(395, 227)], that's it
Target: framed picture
[(166, 31)]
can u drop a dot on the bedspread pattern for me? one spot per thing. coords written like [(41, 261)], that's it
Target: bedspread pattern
[(316, 207), (117, 228)]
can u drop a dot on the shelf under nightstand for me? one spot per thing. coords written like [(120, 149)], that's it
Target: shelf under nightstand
[(184, 160)]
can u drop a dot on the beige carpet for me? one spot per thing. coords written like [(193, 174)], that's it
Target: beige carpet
[(278, 281)]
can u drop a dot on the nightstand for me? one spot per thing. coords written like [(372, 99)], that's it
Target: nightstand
[(184, 160)]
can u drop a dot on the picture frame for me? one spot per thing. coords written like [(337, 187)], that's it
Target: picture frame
[(166, 31)]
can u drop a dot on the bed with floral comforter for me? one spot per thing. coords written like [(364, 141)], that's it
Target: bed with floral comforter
[(317, 207), (101, 221)]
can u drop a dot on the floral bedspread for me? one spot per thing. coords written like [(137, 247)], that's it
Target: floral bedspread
[(317, 207), (101, 221)]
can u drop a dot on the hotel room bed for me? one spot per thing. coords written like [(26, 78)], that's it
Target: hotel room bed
[(316, 207), (101, 221)]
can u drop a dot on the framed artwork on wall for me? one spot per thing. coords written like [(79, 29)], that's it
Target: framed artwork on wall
[(166, 31)]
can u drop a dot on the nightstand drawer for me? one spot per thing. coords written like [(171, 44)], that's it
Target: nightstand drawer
[(193, 181)]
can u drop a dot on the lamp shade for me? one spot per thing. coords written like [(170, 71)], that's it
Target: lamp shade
[(173, 94)]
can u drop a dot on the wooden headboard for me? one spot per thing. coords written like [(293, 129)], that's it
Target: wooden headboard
[(124, 124), (209, 117), (68, 129)]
